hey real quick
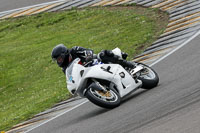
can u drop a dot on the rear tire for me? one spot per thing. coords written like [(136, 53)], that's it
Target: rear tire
[(149, 80), (109, 100)]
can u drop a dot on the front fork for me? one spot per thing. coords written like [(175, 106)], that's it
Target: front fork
[(103, 89), (96, 86)]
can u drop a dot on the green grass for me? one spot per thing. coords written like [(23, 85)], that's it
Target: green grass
[(30, 82)]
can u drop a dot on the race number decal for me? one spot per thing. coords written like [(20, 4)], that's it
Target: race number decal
[(107, 69)]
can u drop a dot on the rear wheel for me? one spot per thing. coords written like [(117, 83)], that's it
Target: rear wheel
[(109, 99), (148, 77)]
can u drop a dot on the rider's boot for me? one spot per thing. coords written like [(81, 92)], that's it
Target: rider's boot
[(107, 56), (126, 64)]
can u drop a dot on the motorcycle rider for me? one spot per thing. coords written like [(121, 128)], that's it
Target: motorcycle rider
[(64, 56)]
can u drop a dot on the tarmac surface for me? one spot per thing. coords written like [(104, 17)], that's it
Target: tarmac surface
[(14, 4), (172, 107)]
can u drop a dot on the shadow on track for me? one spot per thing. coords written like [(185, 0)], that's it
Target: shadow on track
[(133, 95)]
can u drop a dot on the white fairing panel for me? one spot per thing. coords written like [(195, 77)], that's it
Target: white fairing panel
[(116, 74), (73, 75), (99, 72), (77, 76), (125, 82)]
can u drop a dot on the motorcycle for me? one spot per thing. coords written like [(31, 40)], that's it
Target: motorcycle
[(106, 84)]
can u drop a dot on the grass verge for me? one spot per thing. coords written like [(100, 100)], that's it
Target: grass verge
[(31, 82)]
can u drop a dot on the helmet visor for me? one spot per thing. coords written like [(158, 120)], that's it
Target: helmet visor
[(61, 59)]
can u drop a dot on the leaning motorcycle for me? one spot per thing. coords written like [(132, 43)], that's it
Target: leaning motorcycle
[(106, 84)]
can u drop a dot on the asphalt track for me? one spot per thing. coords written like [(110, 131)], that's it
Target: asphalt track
[(172, 107), (14, 4)]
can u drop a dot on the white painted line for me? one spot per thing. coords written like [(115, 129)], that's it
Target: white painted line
[(177, 48), (47, 3), (56, 116)]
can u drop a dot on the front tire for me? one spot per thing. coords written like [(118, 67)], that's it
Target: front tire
[(148, 77), (109, 99)]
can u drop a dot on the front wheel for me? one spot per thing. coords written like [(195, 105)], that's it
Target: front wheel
[(109, 99), (148, 77)]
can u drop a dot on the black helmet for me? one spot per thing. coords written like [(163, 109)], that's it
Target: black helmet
[(60, 53)]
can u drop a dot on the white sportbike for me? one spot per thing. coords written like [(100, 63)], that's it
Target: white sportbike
[(106, 84)]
